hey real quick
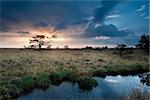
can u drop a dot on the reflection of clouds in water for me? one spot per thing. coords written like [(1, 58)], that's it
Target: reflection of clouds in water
[(111, 79), (108, 88)]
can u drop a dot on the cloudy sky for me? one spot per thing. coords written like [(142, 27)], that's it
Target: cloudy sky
[(76, 23)]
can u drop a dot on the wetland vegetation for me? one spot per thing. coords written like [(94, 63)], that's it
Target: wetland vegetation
[(22, 71)]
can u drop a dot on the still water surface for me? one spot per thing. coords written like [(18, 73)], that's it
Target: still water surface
[(109, 87)]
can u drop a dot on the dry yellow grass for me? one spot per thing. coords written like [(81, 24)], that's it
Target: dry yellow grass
[(22, 70), (28, 62)]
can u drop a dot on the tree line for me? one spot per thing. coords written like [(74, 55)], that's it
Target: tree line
[(39, 41)]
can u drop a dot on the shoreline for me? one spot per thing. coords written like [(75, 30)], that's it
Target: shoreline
[(21, 71), (85, 83)]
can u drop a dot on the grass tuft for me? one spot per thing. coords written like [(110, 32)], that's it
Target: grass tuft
[(42, 81), (87, 84)]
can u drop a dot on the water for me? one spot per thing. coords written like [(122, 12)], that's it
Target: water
[(109, 87)]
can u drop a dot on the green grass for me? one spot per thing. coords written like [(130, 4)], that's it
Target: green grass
[(87, 83), (23, 70), (14, 88), (65, 75), (10, 89), (42, 81), (120, 70), (26, 83)]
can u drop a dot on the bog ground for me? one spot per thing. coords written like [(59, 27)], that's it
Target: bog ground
[(15, 62), (23, 70)]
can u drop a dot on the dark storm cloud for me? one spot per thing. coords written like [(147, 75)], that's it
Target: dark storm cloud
[(4, 26), (80, 21), (65, 24), (106, 30), (103, 10), (12, 13), (11, 8), (61, 25), (59, 13), (23, 32), (41, 24)]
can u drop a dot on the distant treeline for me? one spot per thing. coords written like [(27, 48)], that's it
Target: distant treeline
[(84, 48), (38, 41)]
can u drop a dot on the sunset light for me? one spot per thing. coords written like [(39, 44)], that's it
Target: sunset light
[(74, 49)]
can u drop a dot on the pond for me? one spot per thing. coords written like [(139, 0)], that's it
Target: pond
[(108, 87)]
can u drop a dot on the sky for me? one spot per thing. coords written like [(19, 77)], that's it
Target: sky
[(76, 23)]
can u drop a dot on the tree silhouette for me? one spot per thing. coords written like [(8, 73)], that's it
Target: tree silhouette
[(49, 46), (89, 48), (144, 42), (66, 47), (121, 48), (39, 40)]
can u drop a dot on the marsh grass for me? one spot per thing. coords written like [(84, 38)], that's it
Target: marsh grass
[(120, 70), (42, 81), (87, 83), (24, 70), (14, 88), (139, 94)]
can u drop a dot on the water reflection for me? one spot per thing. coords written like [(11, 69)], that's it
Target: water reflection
[(109, 87)]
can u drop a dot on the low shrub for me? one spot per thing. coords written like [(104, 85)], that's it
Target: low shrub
[(42, 81), (27, 83), (55, 78), (87, 83)]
